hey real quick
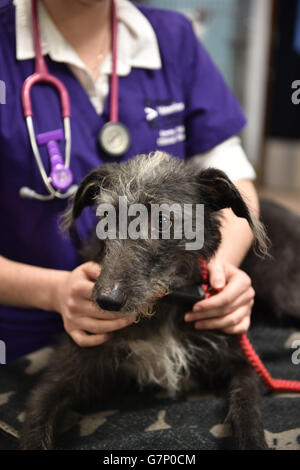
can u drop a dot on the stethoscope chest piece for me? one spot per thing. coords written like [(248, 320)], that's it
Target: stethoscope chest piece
[(114, 139)]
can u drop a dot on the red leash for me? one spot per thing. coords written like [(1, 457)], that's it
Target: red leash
[(247, 348)]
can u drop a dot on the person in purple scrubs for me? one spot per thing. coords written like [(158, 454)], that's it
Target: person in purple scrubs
[(171, 98)]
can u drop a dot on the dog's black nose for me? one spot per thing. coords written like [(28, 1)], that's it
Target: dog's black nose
[(111, 298)]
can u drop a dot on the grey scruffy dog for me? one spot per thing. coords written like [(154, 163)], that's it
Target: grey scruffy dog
[(164, 349)]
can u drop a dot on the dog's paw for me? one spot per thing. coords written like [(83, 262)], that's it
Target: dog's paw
[(35, 439)]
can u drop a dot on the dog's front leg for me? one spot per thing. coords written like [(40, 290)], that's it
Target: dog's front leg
[(244, 410), (46, 405), (74, 376)]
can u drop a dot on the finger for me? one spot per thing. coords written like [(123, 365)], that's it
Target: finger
[(217, 277), (83, 289), (85, 340), (92, 270), (235, 287), (81, 308), (92, 325), (239, 329), (244, 299), (220, 323)]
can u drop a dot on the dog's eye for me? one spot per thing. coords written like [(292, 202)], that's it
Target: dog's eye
[(104, 215), (163, 224)]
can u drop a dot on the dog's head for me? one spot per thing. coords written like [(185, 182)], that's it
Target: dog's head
[(156, 216)]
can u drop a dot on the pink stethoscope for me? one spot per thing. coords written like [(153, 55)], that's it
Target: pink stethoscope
[(114, 137)]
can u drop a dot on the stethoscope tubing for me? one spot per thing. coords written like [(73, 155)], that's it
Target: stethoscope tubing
[(114, 81), (42, 74)]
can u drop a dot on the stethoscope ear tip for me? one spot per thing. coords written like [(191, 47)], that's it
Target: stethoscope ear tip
[(27, 193)]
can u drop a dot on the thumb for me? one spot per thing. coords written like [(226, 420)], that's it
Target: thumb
[(92, 270), (217, 276)]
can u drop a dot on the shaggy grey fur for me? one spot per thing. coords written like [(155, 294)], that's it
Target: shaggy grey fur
[(160, 348)]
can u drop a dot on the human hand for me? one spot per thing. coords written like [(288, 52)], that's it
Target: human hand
[(86, 323), (230, 309)]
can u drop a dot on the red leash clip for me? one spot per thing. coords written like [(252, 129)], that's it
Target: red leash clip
[(248, 350)]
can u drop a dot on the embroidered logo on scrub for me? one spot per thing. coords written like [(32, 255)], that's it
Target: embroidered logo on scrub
[(167, 118), (171, 136)]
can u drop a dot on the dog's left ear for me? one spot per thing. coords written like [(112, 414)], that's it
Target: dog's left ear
[(219, 192)]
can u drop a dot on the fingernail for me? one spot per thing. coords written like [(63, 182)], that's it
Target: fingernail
[(197, 309), (188, 317), (219, 285)]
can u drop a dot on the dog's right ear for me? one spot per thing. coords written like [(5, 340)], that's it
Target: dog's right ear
[(90, 187), (85, 195)]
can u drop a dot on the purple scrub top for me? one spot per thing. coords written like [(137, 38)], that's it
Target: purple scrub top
[(194, 111)]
